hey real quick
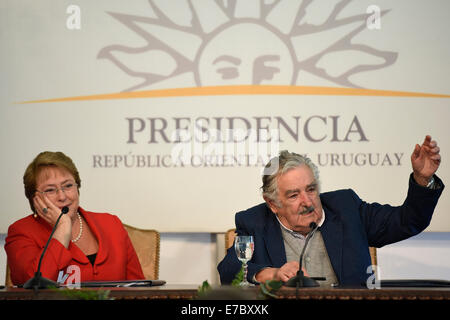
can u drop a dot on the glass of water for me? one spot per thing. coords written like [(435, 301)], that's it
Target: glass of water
[(244, 246)]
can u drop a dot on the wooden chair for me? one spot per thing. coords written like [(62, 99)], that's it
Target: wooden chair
[(8, 282), (147, 245), (373, 255), (231, 233), (145, 242), (229, 238)]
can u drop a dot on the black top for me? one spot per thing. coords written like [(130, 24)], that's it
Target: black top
[(92, 257)]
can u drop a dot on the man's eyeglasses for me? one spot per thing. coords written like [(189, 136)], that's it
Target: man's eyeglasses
[(66, 188)]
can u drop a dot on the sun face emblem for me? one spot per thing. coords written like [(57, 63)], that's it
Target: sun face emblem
[(244, 42)]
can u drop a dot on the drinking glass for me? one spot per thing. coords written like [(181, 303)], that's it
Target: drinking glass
[(244, 246)]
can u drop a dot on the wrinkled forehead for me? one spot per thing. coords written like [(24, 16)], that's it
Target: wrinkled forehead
[(299, 177)]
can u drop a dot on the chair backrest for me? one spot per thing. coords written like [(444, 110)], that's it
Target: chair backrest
[(8, 281), (229, 238), (146, 243), (373, 255), (231, 233)]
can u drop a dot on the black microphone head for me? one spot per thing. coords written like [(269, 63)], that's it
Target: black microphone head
[(65, 209), (313, 225)]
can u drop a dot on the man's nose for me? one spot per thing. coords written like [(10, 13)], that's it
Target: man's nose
[(305, 199)]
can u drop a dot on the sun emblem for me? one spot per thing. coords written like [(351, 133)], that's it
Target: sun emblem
[(244, 42)]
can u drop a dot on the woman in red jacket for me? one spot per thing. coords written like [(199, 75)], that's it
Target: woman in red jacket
[(96, 243)]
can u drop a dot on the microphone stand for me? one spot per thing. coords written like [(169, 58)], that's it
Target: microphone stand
[(300, 280), (38, 281)]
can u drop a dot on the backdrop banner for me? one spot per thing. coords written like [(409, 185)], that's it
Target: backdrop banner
[(171, 109)]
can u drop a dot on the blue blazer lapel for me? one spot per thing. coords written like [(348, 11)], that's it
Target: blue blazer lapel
[(273, 241), (332, 234)]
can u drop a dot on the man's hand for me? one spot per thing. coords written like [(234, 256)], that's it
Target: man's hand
[(425, 160), (287, 271)]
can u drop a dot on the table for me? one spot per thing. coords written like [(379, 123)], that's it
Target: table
[(169, 291), (174, 292), (182, 302)]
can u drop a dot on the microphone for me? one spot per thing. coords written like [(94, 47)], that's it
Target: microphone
[(38, 281), (300, 280)]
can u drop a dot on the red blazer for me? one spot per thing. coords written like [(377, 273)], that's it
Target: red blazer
[(116, 258)]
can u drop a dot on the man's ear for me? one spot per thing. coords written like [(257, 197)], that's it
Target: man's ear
[(271, 204)]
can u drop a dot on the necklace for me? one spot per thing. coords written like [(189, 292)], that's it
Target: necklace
[(81, 229)]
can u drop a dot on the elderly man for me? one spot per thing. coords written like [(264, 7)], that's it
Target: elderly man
[(347, 226)]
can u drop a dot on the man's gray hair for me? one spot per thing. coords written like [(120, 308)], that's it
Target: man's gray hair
[(280, 165)]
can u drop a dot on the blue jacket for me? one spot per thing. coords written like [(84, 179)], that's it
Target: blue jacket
[(350, 227)]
